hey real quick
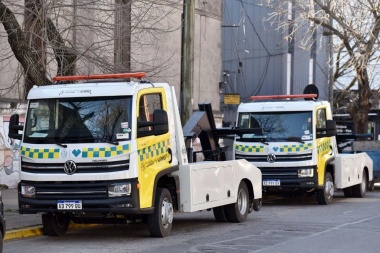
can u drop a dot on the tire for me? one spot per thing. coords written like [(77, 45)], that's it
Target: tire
[(348, 192), (325, 195), (360, 190), (160, 222), (238, 212), (55, 224), (219, 214), (371, 186)]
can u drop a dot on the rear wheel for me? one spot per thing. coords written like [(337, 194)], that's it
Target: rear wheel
[(348, 192), (219, 214), (325, 195), (360, 190), (160, 222), (371, 186), (237, 212), (55, 224)]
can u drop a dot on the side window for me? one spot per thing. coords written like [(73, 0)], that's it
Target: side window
[(321, 118), (147, 104)]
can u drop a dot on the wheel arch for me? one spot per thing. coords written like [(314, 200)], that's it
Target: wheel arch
[(164, 179), (330, 168), (366, 170), (250, 188)]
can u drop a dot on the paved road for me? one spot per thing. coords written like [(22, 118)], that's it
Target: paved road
[(283, 225)]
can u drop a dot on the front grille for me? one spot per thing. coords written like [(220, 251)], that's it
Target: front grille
[(279, 158), (57, 168), (70, 190), (282, 172)]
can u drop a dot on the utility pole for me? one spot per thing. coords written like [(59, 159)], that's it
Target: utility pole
[(187, 63)]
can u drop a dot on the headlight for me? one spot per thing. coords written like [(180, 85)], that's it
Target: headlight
[(306, 173), (28, 191), (119, 190)]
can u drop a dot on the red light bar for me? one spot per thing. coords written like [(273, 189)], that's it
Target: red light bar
[(138, 75), (283, 96)]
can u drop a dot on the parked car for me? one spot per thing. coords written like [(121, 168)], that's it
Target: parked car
[(2, 224)]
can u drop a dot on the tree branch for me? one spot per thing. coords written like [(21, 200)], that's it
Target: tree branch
[(24, 54), (64, 55)]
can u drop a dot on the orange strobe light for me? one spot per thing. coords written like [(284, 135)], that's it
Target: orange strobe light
[(138, 75), (283, 96)]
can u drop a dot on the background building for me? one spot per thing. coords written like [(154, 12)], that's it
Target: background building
[(257, 60)]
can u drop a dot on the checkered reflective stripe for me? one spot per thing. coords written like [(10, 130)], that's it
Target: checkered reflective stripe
[(153, 150), (296, 147), (251, 149), (40, 153), (104, 152), (324, 146)]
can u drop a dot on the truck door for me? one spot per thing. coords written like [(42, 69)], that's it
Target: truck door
[(324, 145), (154, 154)]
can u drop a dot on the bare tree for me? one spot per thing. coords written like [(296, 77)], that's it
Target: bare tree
[(66, 37), (355, 25)]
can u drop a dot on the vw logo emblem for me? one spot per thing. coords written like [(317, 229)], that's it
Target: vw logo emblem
[(271, 158), (70, 167)]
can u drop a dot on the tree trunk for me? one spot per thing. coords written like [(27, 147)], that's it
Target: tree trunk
[(122, 51), (34, 24), (359, 111), (33, 68)]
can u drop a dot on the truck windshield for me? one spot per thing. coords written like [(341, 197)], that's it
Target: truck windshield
[(78, 120), (275, 126)]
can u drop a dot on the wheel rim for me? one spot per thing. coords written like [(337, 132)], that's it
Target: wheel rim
[(329, 188), (242, 201), (166, 213)]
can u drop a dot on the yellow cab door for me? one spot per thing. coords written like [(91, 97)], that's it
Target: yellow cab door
[(324, 145), (153, 149)]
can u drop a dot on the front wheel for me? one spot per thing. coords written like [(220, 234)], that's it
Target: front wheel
[(160, 222), (360, 190), (325, 195), (238, 212), (55, 224)]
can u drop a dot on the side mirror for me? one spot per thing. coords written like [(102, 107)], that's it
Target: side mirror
[(329, 131), (14, 127), (160, 120), (160, 124)]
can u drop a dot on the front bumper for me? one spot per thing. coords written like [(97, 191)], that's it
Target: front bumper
[(287, 177), (93, 195)]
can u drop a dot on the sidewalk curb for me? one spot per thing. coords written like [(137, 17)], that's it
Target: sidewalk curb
[(38, 230), (23, 233)]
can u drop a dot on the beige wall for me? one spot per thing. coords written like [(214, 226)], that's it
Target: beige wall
[(163, 50)]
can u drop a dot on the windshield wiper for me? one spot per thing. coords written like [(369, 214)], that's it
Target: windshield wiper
[(262, 140), (296, 139), (51, 141), (108, 141)]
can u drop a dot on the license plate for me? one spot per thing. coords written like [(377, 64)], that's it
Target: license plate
[(69, 205), (271, 182)]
